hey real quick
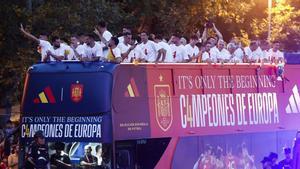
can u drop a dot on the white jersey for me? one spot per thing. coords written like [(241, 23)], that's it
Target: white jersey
[(192, 52), (80, 49), (178, 53), (165, 46), (95, 51), (276, 55), (64, 50), (253, 55), (149, 51), (205, 56), (43, 47), (237, 56), (216, 54), (124, 48), (107, 35), (136, 53)]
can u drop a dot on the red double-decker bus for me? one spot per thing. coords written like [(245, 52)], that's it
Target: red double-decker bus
[(179, 116)]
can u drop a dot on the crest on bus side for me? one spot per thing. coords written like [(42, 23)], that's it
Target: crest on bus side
[(76, 92), (163, 106)]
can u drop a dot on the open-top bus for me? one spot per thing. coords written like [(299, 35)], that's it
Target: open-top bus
[(163, 115)]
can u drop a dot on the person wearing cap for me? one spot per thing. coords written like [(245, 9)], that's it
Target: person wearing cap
[(38, 157), (60, 160), (273, 158), (88, 161), (266, 163), (286, 163)]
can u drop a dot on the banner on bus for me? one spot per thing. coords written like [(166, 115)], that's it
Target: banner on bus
[(68, 128)]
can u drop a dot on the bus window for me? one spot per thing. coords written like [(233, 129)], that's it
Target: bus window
[(72, 155), (140, 154)]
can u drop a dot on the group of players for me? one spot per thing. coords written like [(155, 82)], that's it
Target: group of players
[(101, 45)]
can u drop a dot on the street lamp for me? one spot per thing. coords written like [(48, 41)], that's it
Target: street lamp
[(269, 19)]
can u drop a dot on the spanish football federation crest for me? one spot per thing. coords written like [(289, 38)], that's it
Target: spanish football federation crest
[(76, 92), (163, 106)]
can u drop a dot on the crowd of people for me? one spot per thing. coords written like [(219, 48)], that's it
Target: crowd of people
[(9, 148), (101, 45)]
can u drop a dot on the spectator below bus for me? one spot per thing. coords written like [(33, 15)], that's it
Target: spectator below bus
[(275, 55), (273, 158), (252, 52), (192, 50), (266, 163), (206, 55), (114, 53), (38, 156), (93, 50), (264, 46), (178, 50), (296, 151), (286, 163), (78, 48), (43, 44), (60, 160), (236, 54), (125, 32), (164, 50), (125, 47), (219, 52), (88, 161), (148, 47), (3, 163), (13, 158), (99, 154), (60, 50)]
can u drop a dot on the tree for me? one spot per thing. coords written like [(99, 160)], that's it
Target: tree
[(285, 25)]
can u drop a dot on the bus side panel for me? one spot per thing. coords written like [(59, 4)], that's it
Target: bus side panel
[(130, 103)]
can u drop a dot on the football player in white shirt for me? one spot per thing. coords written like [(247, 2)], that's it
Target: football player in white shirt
[(125, 47), (275, 55), (164, 52), (192, 50), (136, 54), (114, 53), (178, 50), (149, 48), (93, 50), (78, 49), (236, 54), (265, 46), (206, 55), (125, 31), (43, 43), (219, 53), (212, 40), (253, 52), (59, 51), (103, 34)]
